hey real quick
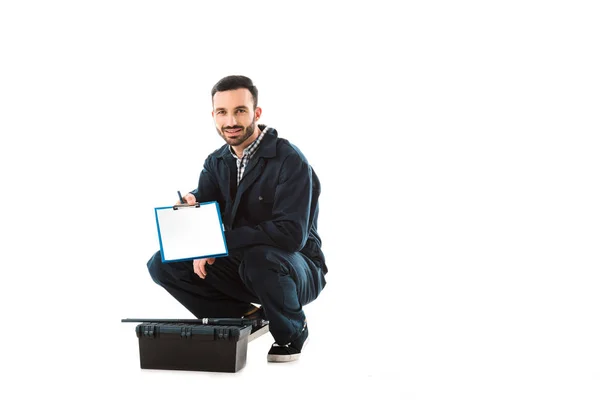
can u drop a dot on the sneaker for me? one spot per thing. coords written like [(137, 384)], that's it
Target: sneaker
[(290, 351)]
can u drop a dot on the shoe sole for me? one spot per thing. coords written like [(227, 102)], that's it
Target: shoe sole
[(282, 358)]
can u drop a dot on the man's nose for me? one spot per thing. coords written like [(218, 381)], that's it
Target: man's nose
[(231, 121)]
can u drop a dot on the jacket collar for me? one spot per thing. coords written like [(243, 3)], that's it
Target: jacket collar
[(267, 148)]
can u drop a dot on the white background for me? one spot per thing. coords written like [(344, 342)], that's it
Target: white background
[(456, 143)]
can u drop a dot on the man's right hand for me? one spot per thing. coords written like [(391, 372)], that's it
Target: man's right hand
[(189, 199)]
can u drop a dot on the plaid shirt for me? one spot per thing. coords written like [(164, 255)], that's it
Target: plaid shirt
[(247, 155)]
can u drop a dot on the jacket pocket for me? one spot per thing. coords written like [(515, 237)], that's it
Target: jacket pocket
[(264, 207)]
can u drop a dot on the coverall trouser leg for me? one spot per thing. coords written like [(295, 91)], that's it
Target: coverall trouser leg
[(282, 282)]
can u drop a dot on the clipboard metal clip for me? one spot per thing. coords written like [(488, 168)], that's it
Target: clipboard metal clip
[(178, 206)]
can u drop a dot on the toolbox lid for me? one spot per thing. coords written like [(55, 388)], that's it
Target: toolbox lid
[(192, 331)]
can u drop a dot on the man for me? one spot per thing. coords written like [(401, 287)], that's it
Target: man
[(268, 195)]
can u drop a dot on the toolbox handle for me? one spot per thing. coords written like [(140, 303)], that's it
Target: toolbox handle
[(201, 321)]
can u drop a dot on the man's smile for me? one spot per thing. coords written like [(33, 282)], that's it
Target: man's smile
[(233, 132)]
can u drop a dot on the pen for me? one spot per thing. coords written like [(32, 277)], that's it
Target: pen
[(180, 198)]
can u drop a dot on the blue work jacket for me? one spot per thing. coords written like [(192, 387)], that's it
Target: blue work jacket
[(276, 202)]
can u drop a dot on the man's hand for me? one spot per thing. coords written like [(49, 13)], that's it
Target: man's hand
[(189, 199), (200, 264)]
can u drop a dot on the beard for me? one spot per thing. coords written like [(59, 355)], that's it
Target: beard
[(242, 136)]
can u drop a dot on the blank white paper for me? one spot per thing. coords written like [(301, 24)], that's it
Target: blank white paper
[(190, 232)]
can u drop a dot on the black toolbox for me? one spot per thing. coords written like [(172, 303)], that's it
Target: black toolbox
[(196, 345), (193, 347)]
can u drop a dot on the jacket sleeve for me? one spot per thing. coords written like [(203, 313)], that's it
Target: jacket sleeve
[(207, 189), (288, 228)]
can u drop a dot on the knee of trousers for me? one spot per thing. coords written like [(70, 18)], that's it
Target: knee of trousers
[(156, 268), (258, 261)]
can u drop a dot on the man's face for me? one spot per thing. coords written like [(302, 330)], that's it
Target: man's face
[(234, 115)]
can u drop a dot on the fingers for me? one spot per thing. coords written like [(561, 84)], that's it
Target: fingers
[(190, 199), (195, 265), (203, 269), (200, 268)]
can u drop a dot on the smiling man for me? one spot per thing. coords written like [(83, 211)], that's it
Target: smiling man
[(268, 195)]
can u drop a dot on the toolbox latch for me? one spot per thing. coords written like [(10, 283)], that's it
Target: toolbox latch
[(186, 332), (148, 331), (221, 333)]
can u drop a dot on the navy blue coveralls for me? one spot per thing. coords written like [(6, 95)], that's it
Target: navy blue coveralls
[(270, 220)]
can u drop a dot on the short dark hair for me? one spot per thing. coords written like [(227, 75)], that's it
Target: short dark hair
[(233, 82)]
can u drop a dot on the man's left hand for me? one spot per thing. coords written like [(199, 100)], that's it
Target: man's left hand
[(200, 266)]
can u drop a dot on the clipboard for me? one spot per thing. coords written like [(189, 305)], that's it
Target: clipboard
[(188, 232)]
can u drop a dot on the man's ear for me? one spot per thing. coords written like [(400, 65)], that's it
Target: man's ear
[(257, 113)]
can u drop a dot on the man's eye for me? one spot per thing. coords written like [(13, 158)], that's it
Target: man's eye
[(241, 111)]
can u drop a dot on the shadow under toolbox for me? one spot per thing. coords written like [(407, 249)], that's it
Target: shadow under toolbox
[(193, 347)]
